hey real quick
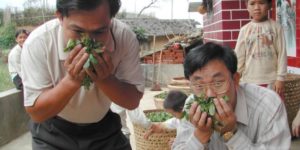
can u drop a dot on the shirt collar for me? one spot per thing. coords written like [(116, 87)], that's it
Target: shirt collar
[(241, 107)]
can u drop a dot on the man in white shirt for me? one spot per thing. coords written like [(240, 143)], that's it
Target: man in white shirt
[(253, 118), (64, 114)]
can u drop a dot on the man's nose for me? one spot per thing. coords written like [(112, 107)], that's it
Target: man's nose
[(210, 92)]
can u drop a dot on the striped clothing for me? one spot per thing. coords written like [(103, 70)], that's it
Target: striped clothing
[(261, 120)]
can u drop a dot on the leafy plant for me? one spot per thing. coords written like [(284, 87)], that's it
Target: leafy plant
[(140, 34), (91, 45), (7, 38), (207, 105), (5, 81), (162, 95), (158, 116)]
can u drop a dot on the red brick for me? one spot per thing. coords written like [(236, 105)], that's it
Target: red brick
[(231, 25), (230, 44), (234, 4), (242, 14), (226, 15), (226, 35), (243, 5), (234, 35), (244, 22)]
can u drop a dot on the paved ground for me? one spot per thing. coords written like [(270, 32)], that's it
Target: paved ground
[(24, 141)]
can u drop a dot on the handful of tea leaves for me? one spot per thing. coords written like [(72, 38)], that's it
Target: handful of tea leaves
[(90, 45), (207, 105)]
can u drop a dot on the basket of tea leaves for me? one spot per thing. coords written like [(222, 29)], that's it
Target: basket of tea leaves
[(156, 140)]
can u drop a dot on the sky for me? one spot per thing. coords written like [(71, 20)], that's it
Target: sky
[(161, 9)]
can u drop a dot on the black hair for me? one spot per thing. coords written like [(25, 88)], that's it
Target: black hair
[(64, 6), (175, 100), (199, 56), (20, 31)]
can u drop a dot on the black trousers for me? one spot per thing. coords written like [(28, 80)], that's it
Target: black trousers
[(59, 134)]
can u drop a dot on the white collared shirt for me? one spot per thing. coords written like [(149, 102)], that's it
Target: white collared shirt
[(42, 63), (261, 120), (14, 61)]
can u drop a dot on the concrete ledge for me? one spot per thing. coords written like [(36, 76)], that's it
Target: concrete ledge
[(13, 118)]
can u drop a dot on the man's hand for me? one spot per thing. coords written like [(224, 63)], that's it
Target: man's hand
[(225, 115), (74, 64), (279, 87), (202, 122), (296, 125), (154, 128), (103, 69)]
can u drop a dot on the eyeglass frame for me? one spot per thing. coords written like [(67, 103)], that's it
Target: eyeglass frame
[(211, 86)]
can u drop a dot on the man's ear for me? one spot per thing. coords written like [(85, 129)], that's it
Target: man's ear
[(59, 16), (236, 78)]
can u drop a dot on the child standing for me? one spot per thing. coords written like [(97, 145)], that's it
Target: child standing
[(14, 58), (260, 48)]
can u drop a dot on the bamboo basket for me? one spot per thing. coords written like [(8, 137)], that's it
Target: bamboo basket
[(292, 96), (157, 141), (159, 103)]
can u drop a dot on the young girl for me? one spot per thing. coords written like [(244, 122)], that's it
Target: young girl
[(14, 58), (261, 48)]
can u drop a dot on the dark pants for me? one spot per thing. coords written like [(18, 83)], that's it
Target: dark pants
[(59, 134)]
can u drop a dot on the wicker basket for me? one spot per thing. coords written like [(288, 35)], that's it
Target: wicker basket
[(292, 96), (159, 103), (157, 141), (180, 81)]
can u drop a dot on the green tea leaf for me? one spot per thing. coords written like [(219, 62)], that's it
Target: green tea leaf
[(87, 64), (93, 59)]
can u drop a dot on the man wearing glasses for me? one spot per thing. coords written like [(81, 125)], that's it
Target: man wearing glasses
[(66, 116), (252, 118)]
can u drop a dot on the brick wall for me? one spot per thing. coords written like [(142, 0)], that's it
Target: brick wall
[(224, 24), (166, 56)]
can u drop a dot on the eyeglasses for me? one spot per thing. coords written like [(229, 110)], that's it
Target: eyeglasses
[(218, 87)]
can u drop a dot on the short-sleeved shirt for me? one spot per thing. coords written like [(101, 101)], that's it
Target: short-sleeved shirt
[(14, 61), (43, 59)]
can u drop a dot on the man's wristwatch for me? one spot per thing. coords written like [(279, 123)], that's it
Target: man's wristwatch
[(228, 135)]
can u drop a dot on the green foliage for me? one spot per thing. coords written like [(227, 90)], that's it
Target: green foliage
[(158, 116), (7, 38), (91, 46), (161, 95), (5, 81), (1, 16), (140, 34), (206, 104)]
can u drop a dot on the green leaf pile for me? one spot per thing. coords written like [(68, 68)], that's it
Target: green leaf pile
[(90, 45), (162, 95), (207, 105), (158, 116)]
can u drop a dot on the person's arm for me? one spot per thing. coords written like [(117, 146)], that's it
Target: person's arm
[(296, 125), (186, 138), (240, 51), (280, 48), (275, 135), (137, 116), (125, 86), (53, 99)]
